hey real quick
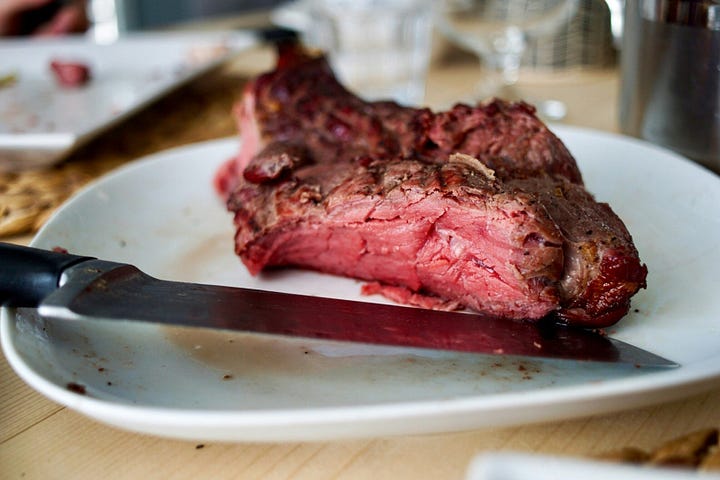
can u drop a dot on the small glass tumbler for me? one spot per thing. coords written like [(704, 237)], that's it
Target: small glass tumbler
[(380, 49)]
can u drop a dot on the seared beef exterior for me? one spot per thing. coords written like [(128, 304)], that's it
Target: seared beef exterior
[(479, 207)]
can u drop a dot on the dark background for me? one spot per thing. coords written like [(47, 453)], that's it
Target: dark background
[(145, 14)]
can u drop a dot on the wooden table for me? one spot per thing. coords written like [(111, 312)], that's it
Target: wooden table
[(40, 439)]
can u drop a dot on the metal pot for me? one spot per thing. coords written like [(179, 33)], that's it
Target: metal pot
[(670, 84)]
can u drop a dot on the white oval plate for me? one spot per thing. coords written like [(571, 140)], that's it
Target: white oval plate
[(162, 215), (42, 122)]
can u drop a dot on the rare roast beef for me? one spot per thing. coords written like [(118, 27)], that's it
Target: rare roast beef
[(479, 206)]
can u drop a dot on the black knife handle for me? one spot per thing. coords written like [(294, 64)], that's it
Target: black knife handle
[(28, 275)]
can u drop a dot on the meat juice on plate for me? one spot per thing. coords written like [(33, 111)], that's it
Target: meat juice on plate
[(264, 371)]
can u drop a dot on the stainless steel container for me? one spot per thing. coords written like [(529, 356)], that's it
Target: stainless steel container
[(670, 63)]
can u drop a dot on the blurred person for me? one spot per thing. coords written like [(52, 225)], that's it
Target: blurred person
[(42, 17)]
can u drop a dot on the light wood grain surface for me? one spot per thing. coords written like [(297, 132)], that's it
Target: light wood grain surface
[(40, 439)]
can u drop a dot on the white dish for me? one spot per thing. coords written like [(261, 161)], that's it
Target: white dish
[(162, 215), (519, 466), (41, 122)]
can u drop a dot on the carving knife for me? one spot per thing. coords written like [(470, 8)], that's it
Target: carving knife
[(76, 288)]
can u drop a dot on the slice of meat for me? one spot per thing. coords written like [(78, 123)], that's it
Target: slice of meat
[(70, 74), (478, 206), (441, 229)]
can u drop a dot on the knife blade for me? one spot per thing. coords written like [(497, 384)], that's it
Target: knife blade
[(76, 288)]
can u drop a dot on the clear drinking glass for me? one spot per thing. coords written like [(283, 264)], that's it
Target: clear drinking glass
[(379, 48), (497, 31), (107, 19)]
